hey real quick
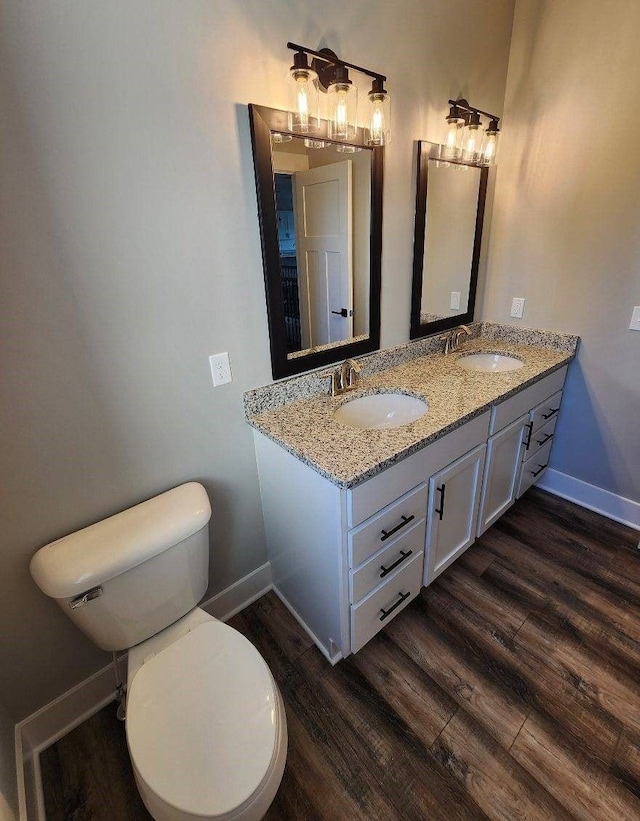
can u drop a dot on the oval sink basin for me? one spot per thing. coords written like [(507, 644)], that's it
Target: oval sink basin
[(381, 410), (489, 362)]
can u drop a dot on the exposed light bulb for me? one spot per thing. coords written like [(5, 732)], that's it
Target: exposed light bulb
[(303, 96), (379, 132), (303, 101), (451, 149), (343, 106), (490, 144), (341, 113), (472, 139)]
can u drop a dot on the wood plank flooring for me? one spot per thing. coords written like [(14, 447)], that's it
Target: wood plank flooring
[(510, 689)]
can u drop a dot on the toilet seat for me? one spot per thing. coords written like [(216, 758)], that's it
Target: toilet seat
[(204, 723)]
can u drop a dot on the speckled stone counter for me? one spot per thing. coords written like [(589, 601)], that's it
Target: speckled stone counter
[(347, 456)]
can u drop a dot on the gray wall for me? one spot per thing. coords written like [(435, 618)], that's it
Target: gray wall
[(130, 252), (565, 232), (8, 785)]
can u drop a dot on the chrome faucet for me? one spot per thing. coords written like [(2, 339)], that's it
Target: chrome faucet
[(452, 340), (346, 379)]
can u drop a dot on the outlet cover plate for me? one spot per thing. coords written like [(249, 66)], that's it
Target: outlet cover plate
[(517, 307), (220, 369), (634, 325)]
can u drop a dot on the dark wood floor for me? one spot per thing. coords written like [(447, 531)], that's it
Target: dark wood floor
[(508, 690)]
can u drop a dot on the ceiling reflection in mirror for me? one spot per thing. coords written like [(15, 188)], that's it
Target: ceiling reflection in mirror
[(323, 241), (448, 230), (320, 210)]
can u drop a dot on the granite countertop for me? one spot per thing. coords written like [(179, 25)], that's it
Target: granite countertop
[(347, 456)]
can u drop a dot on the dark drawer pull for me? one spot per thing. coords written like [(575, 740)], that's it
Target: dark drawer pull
[(535, 473), (405, 521), (529, 425), (550, 414), (545, 440), (388, 612), (403, 556), (440, 510)]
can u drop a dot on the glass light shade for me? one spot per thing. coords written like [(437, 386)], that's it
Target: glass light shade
[(304, 116), (342, 100), (379, 130), (490, 146), (452, 146), (472, 141)]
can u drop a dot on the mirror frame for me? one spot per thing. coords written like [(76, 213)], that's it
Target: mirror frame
[(428, 151), (263, 121)]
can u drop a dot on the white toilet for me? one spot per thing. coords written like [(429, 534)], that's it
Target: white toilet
[(206, 726)]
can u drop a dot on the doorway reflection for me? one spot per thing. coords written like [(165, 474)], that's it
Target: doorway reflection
[(283, 183)]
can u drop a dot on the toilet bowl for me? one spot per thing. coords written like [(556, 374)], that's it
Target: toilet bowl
[(205, 722), (206, 726)]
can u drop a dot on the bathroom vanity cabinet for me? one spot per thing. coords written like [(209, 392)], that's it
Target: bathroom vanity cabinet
[(345, 561), (518, 449)]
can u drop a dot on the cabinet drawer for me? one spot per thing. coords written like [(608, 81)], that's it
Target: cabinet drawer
[(534, 467), (538, 438), (509, 410), (546, 411), (392, 559), (378, 531), (377, 610)]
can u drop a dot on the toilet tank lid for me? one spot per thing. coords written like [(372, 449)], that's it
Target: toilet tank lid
[(87, 558)]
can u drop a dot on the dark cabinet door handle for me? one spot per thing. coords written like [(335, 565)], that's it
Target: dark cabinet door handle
[(341, 312), (440, 510), (545, 440), (387, 533), (539, 471), (403, 556), (529, 427), (388, 612), (552, 411)]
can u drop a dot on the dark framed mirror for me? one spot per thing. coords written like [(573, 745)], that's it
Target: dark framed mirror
[(450, 203), (320, 216)]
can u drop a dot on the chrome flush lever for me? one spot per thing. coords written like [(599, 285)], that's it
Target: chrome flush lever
[(84, 598)]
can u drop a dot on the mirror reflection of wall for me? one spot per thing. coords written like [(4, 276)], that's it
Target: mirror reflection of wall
[(323, 198), (452, 205)]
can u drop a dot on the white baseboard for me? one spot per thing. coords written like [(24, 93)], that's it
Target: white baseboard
[(239, 595), (593, 498), (333, 660), (47, 725)]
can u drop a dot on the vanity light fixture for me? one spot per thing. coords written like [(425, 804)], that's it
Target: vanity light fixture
[(304, 115), (464, 140), (330, 74)]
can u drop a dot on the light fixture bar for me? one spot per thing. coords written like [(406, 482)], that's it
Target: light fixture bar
[(336, 61), (463, 104)]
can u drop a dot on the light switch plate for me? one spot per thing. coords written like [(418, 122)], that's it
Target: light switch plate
[(635, 319)]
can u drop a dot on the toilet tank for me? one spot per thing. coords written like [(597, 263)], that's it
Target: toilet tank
[(127, 577)]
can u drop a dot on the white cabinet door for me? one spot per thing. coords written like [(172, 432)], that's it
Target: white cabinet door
[(501, 472), (454, 495)]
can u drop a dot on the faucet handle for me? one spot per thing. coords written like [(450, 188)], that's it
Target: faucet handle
[(354, 369)]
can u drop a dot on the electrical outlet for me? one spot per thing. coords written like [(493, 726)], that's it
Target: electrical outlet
[(455, 301), (517, 307), (220, 369), (634, 325)]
